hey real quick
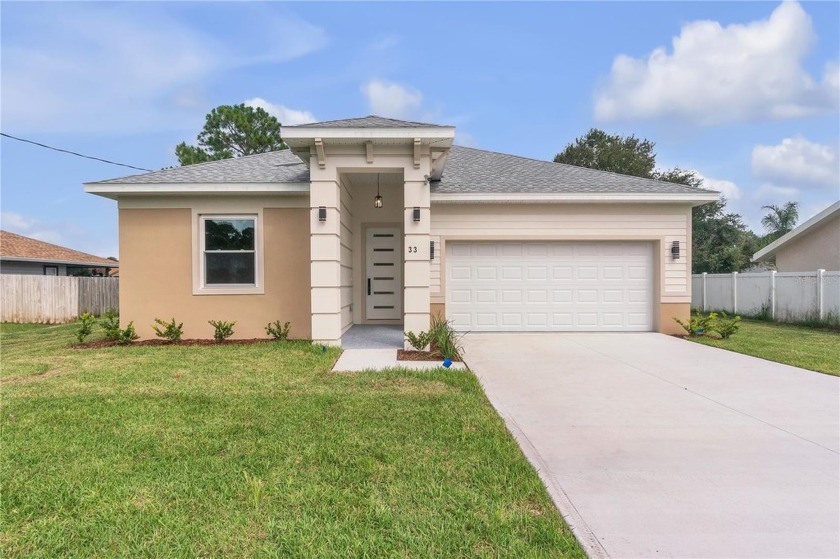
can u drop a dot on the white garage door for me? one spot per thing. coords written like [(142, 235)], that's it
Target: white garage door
[(550, 286)]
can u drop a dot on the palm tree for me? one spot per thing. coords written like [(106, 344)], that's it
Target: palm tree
[(780, 219)]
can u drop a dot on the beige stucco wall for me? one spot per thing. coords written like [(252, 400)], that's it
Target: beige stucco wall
[(816, 249), (156, 274), (660, 224)]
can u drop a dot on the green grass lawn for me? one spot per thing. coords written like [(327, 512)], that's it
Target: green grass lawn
[(246, 451), (810, 348)]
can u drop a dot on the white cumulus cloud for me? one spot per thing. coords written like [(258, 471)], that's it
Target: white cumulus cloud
[(286, 116), (728, 189), (797, 162), (716, 74), (392, 99)]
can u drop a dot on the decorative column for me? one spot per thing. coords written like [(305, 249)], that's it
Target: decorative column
[(325, 258), (416, 251)]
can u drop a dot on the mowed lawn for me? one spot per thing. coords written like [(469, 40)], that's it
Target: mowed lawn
[(801, 346), (255, 451)]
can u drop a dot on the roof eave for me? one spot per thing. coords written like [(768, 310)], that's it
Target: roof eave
[(115, 190), (364, 134), (695, 199), (83, 263)]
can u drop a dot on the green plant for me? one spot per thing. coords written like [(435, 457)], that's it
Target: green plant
[(279, 332), (86, 322), (110, 323), (256, 486), (725, 325), (444, 338), (224, 330), (127, 334), (421, 340), (698, 324), (169, 330)]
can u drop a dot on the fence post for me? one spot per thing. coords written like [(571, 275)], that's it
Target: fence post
[(772, 294), (703, 306), (734, 292), (820, 291)]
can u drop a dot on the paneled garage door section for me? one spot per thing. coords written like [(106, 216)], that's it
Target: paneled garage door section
[(550, 286)]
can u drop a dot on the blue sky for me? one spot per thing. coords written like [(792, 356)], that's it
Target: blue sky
[(744, 93)]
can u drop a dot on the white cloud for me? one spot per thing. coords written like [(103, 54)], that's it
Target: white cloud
[(728, 189), (286, 116), (391, 99), (131, 67), (716, 74), (796, 162), (17, 223)]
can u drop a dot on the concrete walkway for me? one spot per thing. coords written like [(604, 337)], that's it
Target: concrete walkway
[(372, 347), (653, 446)]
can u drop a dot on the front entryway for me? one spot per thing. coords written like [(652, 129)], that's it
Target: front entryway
[(383, 283)]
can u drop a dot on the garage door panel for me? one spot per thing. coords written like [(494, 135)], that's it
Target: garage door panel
[(550, 286)]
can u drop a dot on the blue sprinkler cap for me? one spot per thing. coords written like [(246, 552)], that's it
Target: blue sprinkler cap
[(323, 349), (447, 362)]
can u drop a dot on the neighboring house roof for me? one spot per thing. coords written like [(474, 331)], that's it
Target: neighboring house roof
[(370, 121), (770, 250), (20, 248), (467, 171)]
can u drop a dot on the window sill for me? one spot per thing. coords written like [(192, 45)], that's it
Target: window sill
[(253, 290)]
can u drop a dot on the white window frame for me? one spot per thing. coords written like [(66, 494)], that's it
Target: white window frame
[(200, 286)]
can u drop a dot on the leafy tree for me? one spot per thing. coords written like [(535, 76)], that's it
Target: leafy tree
[(780, 219), (233, 131), (628, 155), (721, 242)]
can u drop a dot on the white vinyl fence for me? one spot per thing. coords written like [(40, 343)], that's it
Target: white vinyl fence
[(55, 299), (782, 296)]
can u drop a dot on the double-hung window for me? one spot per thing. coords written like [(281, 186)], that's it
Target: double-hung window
[(228, 251)]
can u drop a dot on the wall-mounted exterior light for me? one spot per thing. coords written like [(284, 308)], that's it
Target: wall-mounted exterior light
[(416, 214), (377, 200), (675, 250), (322, 213)]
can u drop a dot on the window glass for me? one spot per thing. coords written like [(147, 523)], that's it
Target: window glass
[(228, 234), (229, 267), (229, 251)]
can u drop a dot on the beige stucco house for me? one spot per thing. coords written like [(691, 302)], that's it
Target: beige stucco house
[(380, 221), (814, 245)]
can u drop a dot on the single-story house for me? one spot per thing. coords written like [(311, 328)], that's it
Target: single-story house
[(814, 245), (379, 221), (24, 255)]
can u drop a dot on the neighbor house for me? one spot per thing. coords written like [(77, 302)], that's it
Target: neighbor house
[(380, 221), (24, 255), (814, 245)]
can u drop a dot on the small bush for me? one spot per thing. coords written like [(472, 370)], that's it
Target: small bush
[(698, 323), (445, 339), (279, 332), (725, 325), (224, 330), (86, 322), (110, 323), (127, 334), (419, 341), (168, 330)]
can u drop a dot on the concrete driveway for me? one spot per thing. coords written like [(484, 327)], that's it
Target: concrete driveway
[(653, 446)]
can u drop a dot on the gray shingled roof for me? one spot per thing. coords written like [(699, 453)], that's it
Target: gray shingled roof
[(470, 170), (467, 170), (274, 167), (370, 121)]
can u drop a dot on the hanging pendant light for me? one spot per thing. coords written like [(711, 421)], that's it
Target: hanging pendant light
[(377, 201)]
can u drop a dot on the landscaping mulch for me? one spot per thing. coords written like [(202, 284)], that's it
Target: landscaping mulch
[(189, 342), (411, 355)]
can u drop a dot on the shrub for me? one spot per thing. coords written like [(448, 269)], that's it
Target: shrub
[(419, 341), (169, 330), (698, 323), (127, 334), (725, 325), (110, 323), (279, 332), (224, 330), (86, 322), (444, 339)]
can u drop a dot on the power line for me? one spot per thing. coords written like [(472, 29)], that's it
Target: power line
[(72, 152)]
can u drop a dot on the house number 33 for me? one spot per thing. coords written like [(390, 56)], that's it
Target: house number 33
[(412, 249)]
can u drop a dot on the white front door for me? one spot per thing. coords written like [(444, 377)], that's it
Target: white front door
[(383, 284)]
